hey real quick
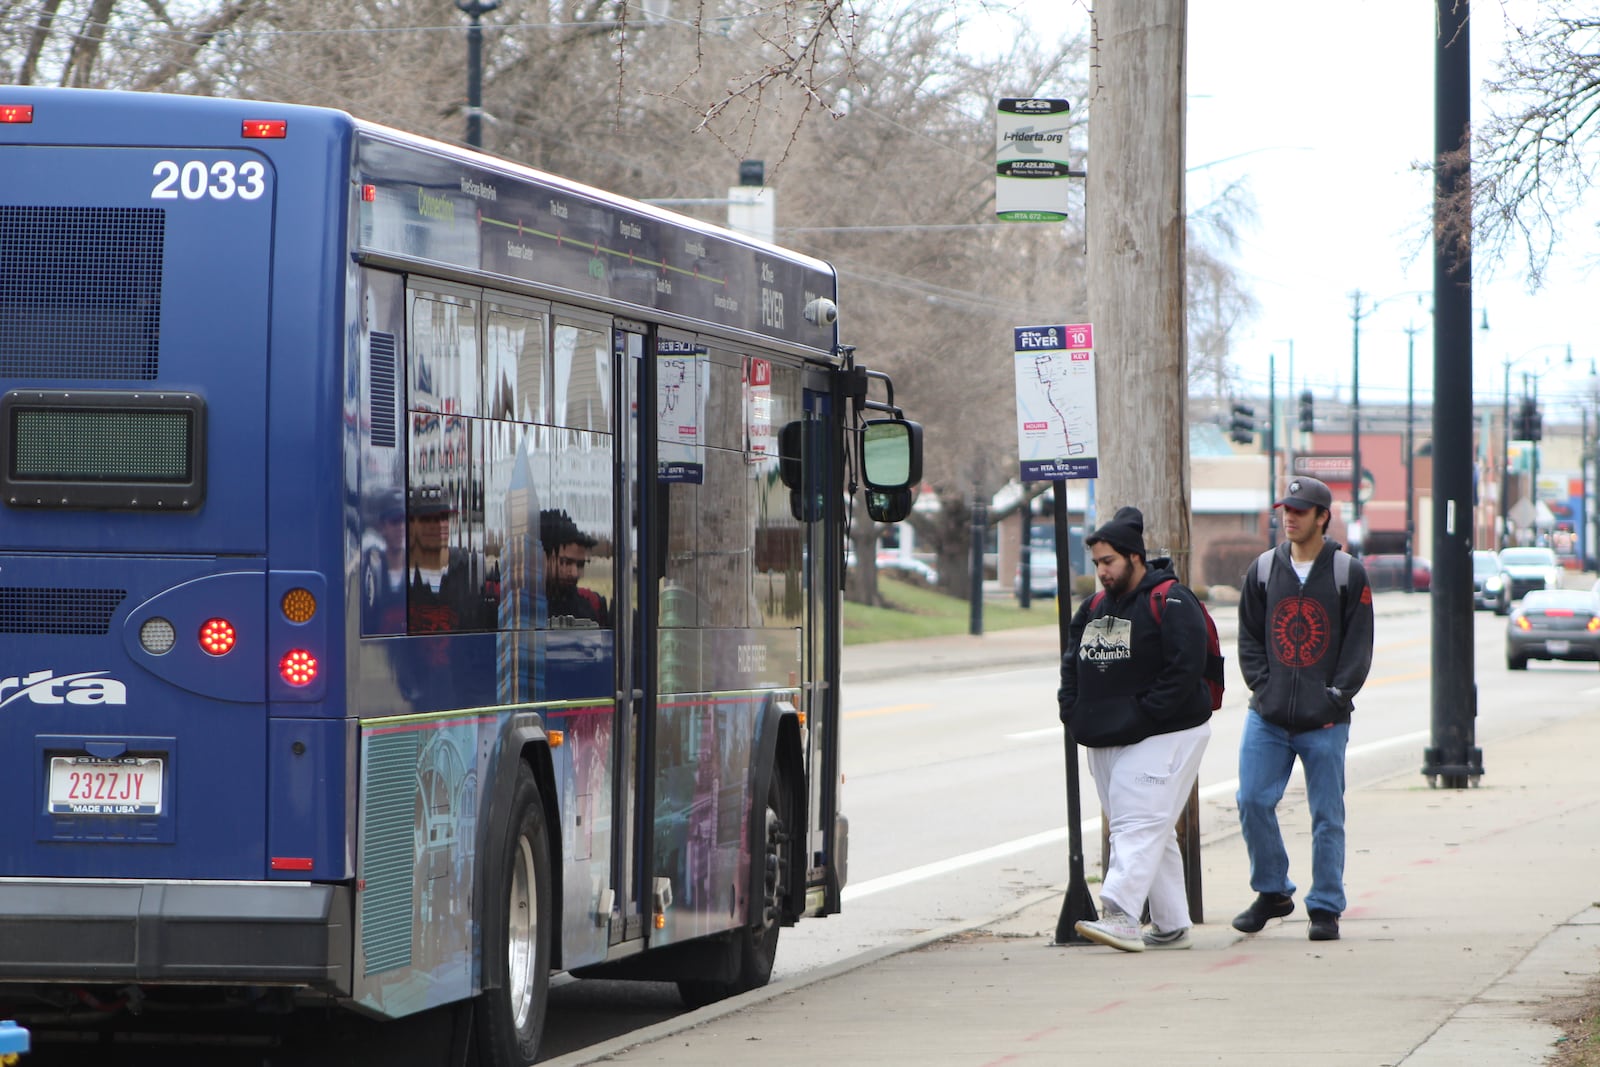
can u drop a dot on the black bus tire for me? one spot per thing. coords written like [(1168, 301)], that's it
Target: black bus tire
[(516, 953), (757, 941)]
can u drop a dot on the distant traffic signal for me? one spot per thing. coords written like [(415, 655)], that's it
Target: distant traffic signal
[(1530, 422), (1307, 415), (1243, 427)]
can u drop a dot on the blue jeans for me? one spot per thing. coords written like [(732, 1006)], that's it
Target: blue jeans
[(1266, 756)]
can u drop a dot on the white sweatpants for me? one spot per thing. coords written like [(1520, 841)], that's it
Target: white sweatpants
[(1143, 789)]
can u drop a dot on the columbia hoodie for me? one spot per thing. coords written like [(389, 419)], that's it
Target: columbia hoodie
[(1305, 649), (1125, 676)]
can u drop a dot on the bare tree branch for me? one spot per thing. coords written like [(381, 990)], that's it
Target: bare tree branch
[(1534, 159)]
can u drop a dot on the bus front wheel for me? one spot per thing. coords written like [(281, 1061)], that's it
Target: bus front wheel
[(516, 952), (757, 941)]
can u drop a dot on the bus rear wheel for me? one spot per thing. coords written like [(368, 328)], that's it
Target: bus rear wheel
[(757, 941), (516, 952)]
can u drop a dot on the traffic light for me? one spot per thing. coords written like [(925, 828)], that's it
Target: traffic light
[(1535, 422), (1307, 416), (1528, 421), (1243, 427)]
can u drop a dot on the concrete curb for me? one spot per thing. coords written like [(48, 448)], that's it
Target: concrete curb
[(605, 1050)]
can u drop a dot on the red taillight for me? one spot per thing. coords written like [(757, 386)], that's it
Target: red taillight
[(18, 113), (369, 193), (1558, 613), (217, 637), (298, 667), (260, 128), (291, 863)]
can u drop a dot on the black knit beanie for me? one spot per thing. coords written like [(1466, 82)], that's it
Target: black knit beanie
[(1125, 533)]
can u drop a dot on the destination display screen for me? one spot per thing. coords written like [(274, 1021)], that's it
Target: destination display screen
[(121, 450)]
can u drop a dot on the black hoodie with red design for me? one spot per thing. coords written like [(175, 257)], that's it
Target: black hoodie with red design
[(1305, 650)]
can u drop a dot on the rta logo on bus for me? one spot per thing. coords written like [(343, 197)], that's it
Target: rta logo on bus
[(43, 687)]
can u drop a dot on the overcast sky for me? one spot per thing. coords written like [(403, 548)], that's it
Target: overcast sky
[(1326, 110)]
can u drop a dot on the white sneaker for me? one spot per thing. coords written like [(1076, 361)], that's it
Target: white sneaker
[(1159, 939), (1114, 928)]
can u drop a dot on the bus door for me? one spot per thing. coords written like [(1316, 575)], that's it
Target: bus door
[(635, 603), (824, 584)]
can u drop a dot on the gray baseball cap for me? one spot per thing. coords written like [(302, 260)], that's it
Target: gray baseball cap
[(1305, 494)]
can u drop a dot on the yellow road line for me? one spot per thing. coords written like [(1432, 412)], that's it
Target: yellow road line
[(891, 709)]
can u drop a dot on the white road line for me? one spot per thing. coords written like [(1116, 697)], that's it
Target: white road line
[(1034, 735), (1090, 828)]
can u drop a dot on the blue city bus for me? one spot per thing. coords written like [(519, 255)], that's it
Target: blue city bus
[(418, 573)]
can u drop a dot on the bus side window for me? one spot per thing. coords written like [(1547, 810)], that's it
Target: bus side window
[(443, 345), (582, 377), (514, 365), (444, 528)]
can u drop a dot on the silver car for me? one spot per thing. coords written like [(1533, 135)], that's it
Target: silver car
[(1553, 624), (1529, 569), (1490, 588)]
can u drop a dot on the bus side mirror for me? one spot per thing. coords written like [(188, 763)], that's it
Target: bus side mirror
[(791, 447), (891, 455), (889, 505)]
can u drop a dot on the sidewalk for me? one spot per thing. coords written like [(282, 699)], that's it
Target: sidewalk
[(1031, 646), (1472, 914)]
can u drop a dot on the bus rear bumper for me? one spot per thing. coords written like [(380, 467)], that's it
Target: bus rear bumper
[(251, 933)]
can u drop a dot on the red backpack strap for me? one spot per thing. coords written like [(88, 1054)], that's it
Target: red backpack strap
[(1094, 601), (1158, 596)]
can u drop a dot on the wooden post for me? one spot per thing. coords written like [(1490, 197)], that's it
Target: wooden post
[(1137, 295)]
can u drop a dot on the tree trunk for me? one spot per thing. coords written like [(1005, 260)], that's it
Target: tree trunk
[(1136, 226)]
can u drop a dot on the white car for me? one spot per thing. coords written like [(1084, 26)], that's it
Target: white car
[(1527, 569)]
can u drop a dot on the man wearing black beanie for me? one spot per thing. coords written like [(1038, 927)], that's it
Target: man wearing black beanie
[(1133, 694)]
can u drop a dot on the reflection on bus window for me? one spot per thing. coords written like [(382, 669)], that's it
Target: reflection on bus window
[(514, 365), (582, 377), (444, 355), (445, 587), (567, 555)]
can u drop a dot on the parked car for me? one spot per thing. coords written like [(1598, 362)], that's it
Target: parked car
[(1490, 587), (1386, 572), (891, 562), (1043, 577), (916, 567), (1553, 624), (1528, 569)]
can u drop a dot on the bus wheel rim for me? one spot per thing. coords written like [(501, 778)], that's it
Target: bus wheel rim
[(521, 934)]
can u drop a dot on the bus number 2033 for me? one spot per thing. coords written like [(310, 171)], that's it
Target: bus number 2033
[(222, 180)]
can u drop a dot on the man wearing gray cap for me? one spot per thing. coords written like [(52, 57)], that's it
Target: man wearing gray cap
[(1305, 646)]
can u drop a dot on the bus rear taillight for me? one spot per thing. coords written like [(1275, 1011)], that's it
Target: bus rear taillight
[(16, 113), (217, 637), (298, 667)]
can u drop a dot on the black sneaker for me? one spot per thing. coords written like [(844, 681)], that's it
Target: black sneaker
[(1266, 906), (1324, 925)]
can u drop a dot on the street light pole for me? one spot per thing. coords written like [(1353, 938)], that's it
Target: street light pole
[(1411, 457), (1505, 458), (1532, 390), (1355, 416), (475, 9), (1271, 439)]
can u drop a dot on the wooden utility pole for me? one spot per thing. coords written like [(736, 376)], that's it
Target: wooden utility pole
[(1136, 240), (1137, 294)]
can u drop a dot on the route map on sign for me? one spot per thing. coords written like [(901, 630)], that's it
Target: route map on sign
[(1057, 429)]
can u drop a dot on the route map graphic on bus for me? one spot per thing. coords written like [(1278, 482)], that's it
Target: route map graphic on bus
[(1057, 430)]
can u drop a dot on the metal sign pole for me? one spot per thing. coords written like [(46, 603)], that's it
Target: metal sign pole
[(1077, 904)]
